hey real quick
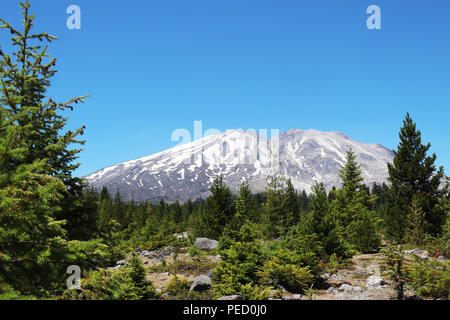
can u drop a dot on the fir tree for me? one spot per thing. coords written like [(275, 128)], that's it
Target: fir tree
[(36, 165), (412, 172), (218, 211), (281, 205), (351, 208), (416, 223), (138, 288), (241, 259)]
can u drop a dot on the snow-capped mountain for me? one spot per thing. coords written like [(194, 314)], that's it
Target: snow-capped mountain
[(187, 171)]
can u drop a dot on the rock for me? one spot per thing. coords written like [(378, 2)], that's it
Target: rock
[(148, 254), (181, 236), (234, 297), (114, 268), (201, 283), (345, 287), (332, 290), (211, 273), (357, 289), (206, 244), (424, 254), (335, 278), (325, 276), (166, 251), (375, 282), (121, 263)]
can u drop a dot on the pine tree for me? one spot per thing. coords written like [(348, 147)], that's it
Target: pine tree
[(117, 209), (320, 222), (243, 205), (218, 211), (291, 205), (412, 172), (246, 202), (320, 209), (281, 205), (138, 288), (351, 209), (240, 262), (36, 165)]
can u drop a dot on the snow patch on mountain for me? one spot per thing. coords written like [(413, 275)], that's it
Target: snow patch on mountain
[(187, 171)]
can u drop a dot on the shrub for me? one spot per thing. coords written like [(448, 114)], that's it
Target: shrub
[(430, 278), (177, 287), (250, 291), (128, 283), (292, 277)]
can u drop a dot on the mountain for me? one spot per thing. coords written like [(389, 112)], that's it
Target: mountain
[(187, 171)]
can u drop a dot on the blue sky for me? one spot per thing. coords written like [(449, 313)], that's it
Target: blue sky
[(157, 65)]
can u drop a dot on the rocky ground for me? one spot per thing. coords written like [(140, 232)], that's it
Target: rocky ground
[(363, 278)]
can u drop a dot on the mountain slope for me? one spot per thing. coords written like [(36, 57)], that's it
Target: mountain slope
[(186, 171)]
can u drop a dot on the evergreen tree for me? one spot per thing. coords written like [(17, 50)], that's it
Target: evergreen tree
[(320, 209), (117, 209), (412, 172), (36, 165), (291, 205), (218, 211), (138, 288), (241, 259), (281, 205), (81, 212), (246, 202), (416, 223), (351, 208), (320, 222)]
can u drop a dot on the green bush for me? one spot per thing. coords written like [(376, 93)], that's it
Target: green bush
[(430, 278), (254, 292), (292, 277), (128, 283), (177, 287)]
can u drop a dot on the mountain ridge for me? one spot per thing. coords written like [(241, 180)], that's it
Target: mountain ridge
[(186, 171)]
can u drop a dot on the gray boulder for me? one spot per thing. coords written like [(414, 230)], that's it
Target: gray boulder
[(206, 244), (346, 287), (201, 283), (166, 251)]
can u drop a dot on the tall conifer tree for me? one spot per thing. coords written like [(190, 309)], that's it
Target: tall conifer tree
[(412, 173)]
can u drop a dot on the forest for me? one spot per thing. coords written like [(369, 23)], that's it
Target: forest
[(282, 238)]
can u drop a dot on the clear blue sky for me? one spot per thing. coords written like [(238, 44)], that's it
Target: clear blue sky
[(153, 66)]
